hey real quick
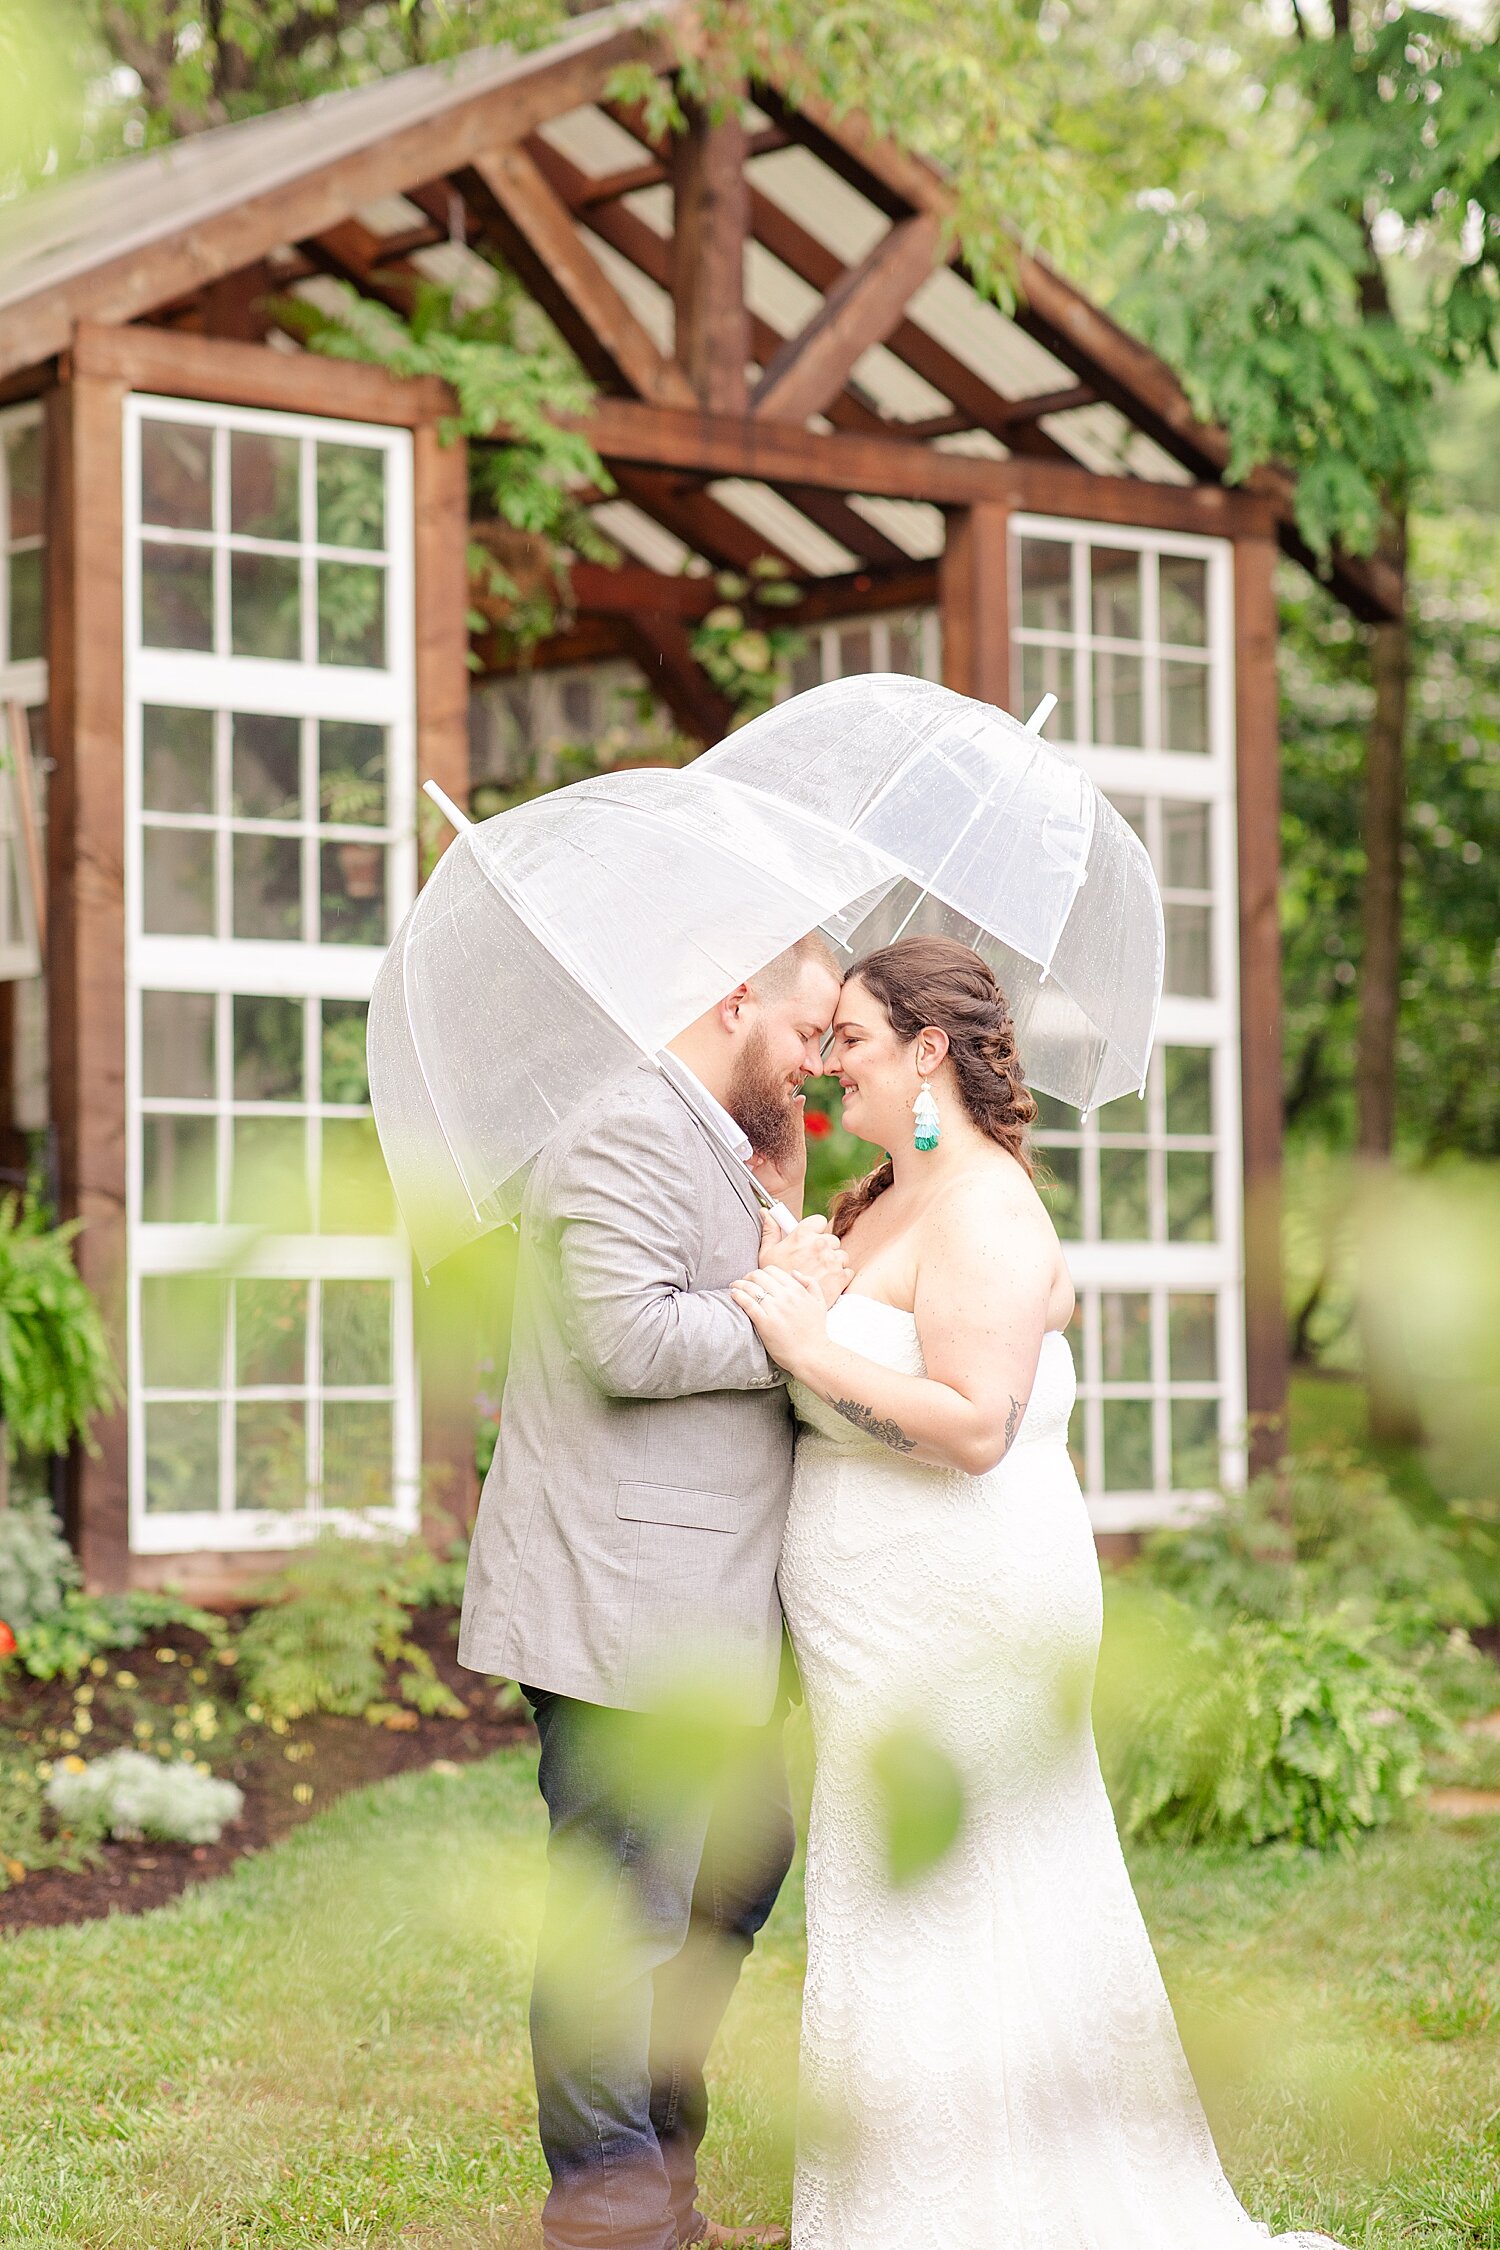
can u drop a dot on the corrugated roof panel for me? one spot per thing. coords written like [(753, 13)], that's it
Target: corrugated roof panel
[(642, 536), (979, 334), (898, 390), (593, 141), (651, 304), (784, 526), (810, 192), (916, 527)]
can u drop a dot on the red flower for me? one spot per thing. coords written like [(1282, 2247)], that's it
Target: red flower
[(815, 1124), (7, 1640)]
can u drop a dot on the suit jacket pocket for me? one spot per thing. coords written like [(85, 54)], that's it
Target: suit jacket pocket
[(674, 1504)]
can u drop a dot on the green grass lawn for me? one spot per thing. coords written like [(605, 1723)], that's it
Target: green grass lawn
[(329, 2045)]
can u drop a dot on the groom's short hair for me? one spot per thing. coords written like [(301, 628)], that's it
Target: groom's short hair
[(777, 978)]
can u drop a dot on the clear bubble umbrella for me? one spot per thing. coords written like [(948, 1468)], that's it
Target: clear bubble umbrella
[(561, 943), (997, 839)]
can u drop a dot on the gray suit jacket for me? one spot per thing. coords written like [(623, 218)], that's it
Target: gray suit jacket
[(630, 1525)]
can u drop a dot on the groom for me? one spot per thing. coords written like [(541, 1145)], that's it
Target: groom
[(624, 1559)]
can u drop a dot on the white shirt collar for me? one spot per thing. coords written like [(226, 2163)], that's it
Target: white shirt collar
[(698, 1097)]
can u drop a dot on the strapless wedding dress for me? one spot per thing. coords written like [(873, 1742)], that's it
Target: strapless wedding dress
[(989, 2060)]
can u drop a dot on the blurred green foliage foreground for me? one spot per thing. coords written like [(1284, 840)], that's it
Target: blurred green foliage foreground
[(330, 2045)]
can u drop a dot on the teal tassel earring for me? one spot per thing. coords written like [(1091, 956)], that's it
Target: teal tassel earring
[(929, 1126)]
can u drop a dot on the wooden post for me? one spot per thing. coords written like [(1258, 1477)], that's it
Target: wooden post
[(974, 602), (712, 221), (86, 879), (446, 1312), (1258, 795)]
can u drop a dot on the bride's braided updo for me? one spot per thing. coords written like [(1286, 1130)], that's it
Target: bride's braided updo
[(936, 980)]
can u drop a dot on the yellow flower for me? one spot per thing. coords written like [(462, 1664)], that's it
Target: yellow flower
[(98, 1667), (83, 1722), (74, 1765), (227, 1656), (126, 1680), (84, 1694), (303, 1792), (69, 1740)]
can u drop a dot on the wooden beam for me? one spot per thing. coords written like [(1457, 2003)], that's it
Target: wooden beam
[(696, 517), (556, 264), (711, 221), (208, 367), (834, 515), (598, 590), (235, 304), (708, 445), (974, 601), (589, 640), (86, 879), (661, 645), (446, 1344), (1258, 825), (251, 225), (861, 308)]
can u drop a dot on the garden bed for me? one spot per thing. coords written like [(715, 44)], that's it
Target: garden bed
[(286, 1771)]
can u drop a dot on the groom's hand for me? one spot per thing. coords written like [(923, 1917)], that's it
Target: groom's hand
[(810, 1252)]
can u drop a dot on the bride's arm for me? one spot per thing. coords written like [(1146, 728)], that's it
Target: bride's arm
[(983, 1283)]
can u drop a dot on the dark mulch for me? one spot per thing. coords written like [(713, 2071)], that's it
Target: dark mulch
[(332, 1755)]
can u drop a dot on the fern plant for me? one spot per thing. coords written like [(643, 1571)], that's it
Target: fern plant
[(56, 1368), (336, 1618)]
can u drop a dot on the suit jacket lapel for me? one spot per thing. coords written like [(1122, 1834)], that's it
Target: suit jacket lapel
[(728, 1163)]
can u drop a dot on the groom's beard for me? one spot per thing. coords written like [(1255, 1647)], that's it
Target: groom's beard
[(763, 1102)]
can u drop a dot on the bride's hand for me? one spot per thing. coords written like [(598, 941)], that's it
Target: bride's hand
[(787, 1311)]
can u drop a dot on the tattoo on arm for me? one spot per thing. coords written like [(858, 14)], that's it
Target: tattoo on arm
[(1013, 1422), (874, 1425)]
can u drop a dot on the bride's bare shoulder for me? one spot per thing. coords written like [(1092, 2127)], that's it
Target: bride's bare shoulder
[(992, 1204)]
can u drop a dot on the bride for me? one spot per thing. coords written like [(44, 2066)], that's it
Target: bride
[(989, 2060)]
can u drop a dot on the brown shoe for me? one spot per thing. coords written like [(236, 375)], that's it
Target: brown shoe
[(725, 2238)]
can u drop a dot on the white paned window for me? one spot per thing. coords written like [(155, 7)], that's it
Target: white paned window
[(23, 680), (1131, 631), (270, 783)]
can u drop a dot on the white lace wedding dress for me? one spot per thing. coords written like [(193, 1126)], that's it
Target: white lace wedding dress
[(989, 2060)]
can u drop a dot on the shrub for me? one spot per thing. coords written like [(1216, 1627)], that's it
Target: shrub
[(334, 1620), (37, 1567), (131, 1796), (56, 1372), (27, 1842), (1249, 1729), (1324, 1530), (82, 1626)]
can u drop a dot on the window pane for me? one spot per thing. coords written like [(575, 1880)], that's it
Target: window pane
[(1077, 1444), (353, 894), (267, 1049), (345, 1077), (177, 484), (1115, 575), (905, 634), (1132, 810), (1189, 965), (1184, 705), (23, 476), (1190, 1195), (267, 887), (1127, 1445), (25, 629), (179, 1171), (1193, 1337), (1195, 1444), (1125, 1336), (263, 484), (270, 1455), (265, 605), (1126, 1115), (356, 1334), (351, 773), (1117, 700), (178, 882), (1047, 585), (351, 613), (351, 496), (182, 1332), (270, 1334), (356, 1188), (182, 1459), (177, 597), (1184, 600), (266, 767), (177, 1045), (1189, 1077), (1049, 671), (356, 1454), (177, 760), (1053, 1116), (1184, 838), (269, 1188), (807, 670), (1058, 1182), (855, 652), (1124, 1210)]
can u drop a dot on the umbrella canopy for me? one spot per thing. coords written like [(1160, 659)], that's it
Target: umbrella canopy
[(997, 839), (557, 945)]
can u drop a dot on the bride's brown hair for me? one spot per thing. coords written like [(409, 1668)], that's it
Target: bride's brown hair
[(935, 980)]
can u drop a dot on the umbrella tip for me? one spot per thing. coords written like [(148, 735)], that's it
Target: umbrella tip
[(1041, 714), (445, 805)]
